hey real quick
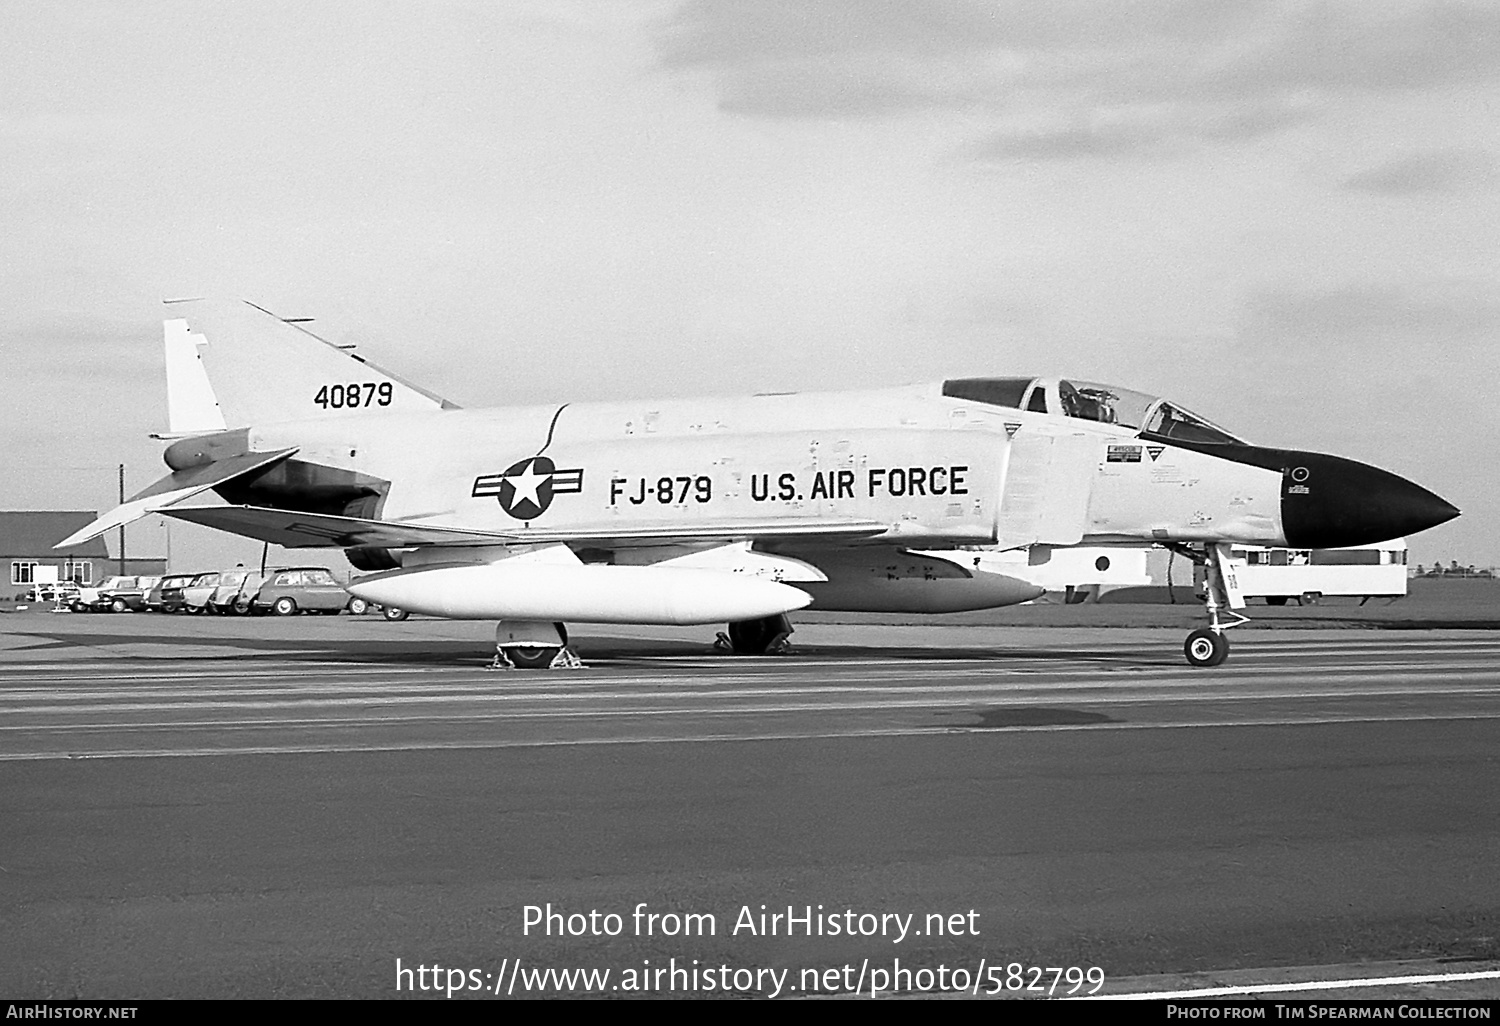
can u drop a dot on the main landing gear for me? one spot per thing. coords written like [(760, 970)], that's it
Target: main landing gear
[(533, 645), (1207, 646), (765, 636)]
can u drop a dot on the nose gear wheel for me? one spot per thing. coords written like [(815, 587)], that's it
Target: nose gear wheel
[(1208, 646)]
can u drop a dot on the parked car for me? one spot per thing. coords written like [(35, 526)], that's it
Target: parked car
[(243, 602), (117, 594), (359, 607), (291, 590), (233, 592), (166, 596), (63, 593), (196, 595)]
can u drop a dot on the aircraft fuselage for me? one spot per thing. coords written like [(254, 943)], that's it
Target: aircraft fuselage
[(930, 470)]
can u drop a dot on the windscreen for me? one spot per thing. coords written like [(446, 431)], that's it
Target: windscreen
[(1148, 414), (1091, 400)]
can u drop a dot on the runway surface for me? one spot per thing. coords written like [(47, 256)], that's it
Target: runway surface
[(263, 808)]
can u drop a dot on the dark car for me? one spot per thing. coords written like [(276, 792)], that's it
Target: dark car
[(166, 596), (118, 594), (310, 589)]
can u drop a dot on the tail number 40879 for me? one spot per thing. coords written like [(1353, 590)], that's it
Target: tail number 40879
[(354, 395)]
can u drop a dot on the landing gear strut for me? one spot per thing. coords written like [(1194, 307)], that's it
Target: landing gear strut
[(1207, 646), (533, 645), (765, 636)]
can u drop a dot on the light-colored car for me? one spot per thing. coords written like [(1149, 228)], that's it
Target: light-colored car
[(233, 592), (196, 595), (300, 589), (63, 593)]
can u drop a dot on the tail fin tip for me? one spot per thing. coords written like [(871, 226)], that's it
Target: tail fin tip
[(232, 363)]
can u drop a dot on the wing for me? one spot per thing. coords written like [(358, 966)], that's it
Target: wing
[(310, 530)]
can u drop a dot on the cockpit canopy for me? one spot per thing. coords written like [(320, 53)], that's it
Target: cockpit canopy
[(1152, 416)]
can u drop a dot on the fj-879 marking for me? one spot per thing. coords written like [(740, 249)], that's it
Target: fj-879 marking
[(354, 395), (667, 491)]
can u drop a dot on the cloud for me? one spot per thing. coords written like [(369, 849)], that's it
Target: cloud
[(1144, 130), (1456, 320), (1362, 46), (78, 355), (1090, 78), (738, 32), (1438, 171), (846, 86), (85, 392)]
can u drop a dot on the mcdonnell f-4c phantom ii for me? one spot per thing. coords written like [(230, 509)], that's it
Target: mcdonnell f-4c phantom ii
[(719, 510)]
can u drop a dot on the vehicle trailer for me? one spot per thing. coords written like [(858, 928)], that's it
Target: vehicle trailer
[(1282, 575)]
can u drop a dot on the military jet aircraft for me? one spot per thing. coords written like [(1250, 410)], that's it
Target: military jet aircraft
[(719, 510)]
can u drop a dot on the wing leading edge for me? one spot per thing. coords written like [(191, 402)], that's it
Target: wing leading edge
[(312, 530)]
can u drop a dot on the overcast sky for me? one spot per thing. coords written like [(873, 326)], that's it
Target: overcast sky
[(1286, 215)]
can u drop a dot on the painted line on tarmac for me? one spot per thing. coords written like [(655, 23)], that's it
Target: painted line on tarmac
[(1434, 681), (699, 739), (914, 695), (1042, 675), (339, 675), (906, 698), (1251, 648), (1287, 988), (344, 722)]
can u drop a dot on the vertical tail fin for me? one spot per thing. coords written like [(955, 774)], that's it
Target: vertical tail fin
[(230, 364), (192, 407)]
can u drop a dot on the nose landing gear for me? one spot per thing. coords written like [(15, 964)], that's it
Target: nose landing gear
[(1207, 646)]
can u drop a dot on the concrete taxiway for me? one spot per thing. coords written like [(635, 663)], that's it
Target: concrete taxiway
[(265, 808)]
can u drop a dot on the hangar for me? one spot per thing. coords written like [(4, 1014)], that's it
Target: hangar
[(26, 540)]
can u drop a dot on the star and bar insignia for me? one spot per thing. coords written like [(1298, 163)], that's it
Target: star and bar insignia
[(525, 489)]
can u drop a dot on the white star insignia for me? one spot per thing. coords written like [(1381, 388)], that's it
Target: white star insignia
[(526, 484)]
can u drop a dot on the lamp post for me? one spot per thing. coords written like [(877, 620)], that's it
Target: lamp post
[(122, 526)]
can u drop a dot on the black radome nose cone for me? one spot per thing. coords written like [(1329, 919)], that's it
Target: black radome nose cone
[(1328, 502)]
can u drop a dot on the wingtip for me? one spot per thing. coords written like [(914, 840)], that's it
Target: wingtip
[(77, 538)]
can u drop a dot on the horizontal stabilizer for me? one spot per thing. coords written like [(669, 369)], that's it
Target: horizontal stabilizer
[(174, 488)]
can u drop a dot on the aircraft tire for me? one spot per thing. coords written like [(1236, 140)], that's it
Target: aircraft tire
[(532, 657), (754, 637), (358, 606), (394, 613), (1205, 648)]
